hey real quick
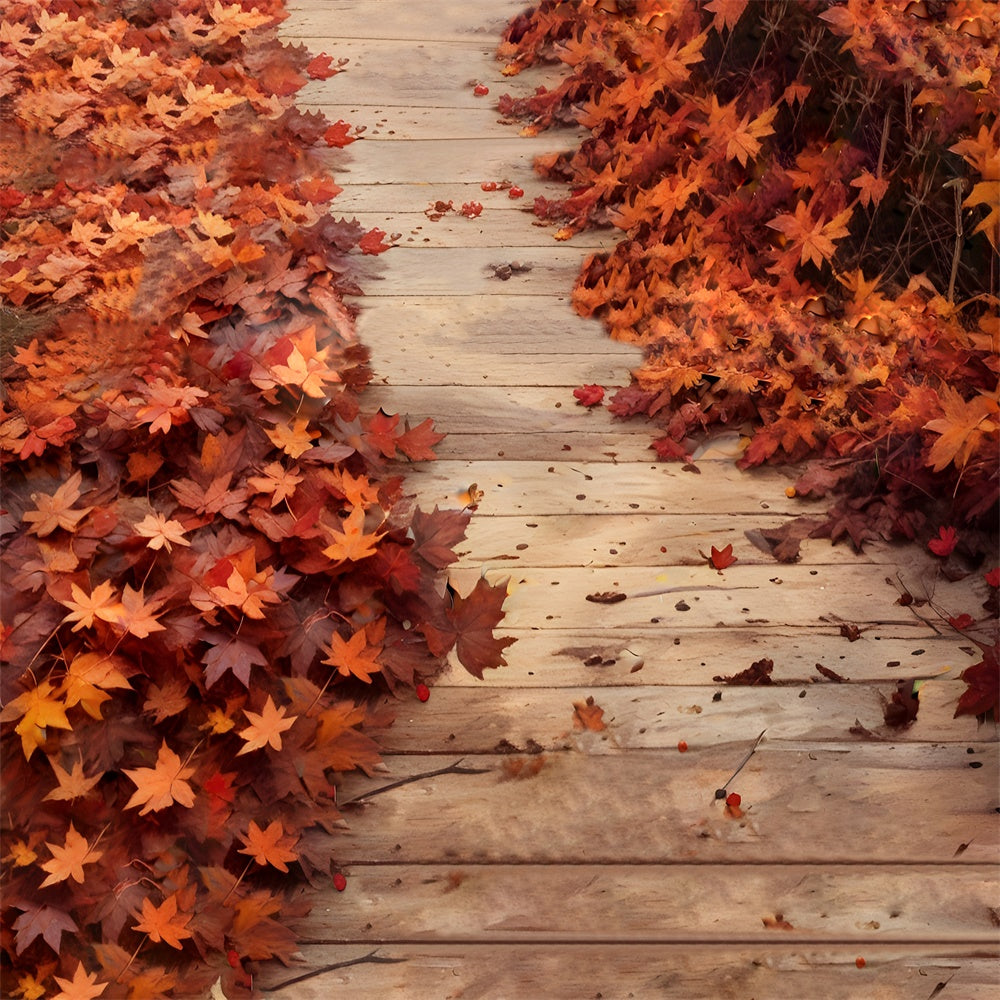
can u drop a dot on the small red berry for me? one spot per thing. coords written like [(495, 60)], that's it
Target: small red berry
[(515, 192), (860, 962), (481, 90), (339, 882), (733, 799), (489, 185), (423, 692), (233, 957), (682, 746)]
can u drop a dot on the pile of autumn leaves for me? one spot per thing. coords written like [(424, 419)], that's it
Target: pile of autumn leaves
[(807, 194), (207, 566)]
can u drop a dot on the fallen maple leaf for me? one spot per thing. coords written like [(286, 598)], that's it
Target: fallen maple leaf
[(945, 542), (83, 985), (354, 656), (56, 510), (588, 395), (84, 607), (68, 860), (588, 715), (721, 558), (983, 679), (371, 242), (265, 727), (162, 785), (36, 709), (336, 135), (468, 626), (270, 846), (48, 921), (163, 922)]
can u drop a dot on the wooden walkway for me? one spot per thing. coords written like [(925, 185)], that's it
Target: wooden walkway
[(586, 863)]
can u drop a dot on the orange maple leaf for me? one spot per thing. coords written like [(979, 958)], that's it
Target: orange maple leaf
[(72, 784), (265, 727), (161, 532), (161, 786), (354, 656), (962, 427), (349, 542), (163, 922), (56, 510), (727, 12), (270, 846), (84, 608), (814, 237), (277, 480), (87, 678), (136, 615), (68, 860), (293, 439), (83, 985), (588, 715)]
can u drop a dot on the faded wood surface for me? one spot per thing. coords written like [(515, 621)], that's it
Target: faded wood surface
[(579, 863)]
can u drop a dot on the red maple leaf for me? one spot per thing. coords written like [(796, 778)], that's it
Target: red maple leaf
[(336, 135), (721, 558), (416, 443), (983, 678), (945, 542), (588, 395), (319, 67), (468, 626), (371, 242)]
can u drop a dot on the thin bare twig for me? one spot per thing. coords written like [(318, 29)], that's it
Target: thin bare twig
[(372, 957), (743, 763), (451, 769)]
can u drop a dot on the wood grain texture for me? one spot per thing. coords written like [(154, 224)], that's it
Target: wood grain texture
[(821, 803), (772, 970), (462, 721), (613, 871), (660, 904)]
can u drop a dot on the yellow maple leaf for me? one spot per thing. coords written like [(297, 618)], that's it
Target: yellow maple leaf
[(37, 709), (87, 678)]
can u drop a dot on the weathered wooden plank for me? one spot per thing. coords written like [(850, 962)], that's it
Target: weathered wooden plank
[(827, 803), (502, 228), (699, 597), (570, 487), (654, 655), (544, 447), (436, 20), (360, 195), (647, 540), (661, 904), (432, 271), (767, 971), (394, 123), (463, 721), (486, 327), (382, 73), (426, 161)]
